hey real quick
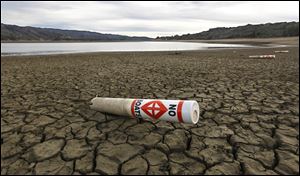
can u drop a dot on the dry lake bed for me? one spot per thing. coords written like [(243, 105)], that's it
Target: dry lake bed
[(249, 121)]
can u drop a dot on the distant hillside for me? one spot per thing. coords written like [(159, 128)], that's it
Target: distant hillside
[(18, 33), (284, 29)]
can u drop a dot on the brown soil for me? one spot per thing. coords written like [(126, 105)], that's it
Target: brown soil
[(249, 120)]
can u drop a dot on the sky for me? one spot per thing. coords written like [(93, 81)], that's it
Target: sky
[(152, 19)]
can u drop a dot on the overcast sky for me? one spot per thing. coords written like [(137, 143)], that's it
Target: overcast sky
[(146, 18)]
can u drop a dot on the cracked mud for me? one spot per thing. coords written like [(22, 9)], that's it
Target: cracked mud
[(249, 120)]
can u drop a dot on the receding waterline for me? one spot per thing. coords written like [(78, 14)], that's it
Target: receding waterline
[(84, 47)]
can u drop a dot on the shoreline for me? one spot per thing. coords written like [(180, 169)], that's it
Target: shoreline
[(252, 44), (166, 51), (255, 41), (233, 41)]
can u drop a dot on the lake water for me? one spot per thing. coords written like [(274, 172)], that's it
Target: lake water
[(80, 47)]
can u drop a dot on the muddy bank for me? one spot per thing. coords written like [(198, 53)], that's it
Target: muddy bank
[(249, 120)]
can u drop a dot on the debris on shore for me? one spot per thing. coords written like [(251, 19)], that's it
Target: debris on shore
[(283, 51), (262, 56)]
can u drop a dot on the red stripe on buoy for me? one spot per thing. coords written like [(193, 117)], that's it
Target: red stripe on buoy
[(132, 108), (179, 111)]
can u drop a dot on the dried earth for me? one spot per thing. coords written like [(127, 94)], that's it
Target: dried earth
[(249, 120)]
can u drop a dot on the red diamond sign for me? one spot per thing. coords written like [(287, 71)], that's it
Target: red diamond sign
[(154, 109)]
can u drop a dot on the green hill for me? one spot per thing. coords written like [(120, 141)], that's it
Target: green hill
[(18, 33), (284, 29)]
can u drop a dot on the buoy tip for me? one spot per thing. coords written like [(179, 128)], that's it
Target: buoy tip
[(195, 113)]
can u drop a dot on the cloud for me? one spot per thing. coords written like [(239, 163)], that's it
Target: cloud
[(146, 18)]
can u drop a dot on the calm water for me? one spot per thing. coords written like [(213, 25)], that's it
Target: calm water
[(59, 48)]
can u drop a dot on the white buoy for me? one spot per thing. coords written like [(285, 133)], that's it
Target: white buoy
[(262, 56), (184, 111), (283, 51)]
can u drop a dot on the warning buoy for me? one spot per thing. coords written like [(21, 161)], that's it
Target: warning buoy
[(262, 56), (283, 51), (184, 111)]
